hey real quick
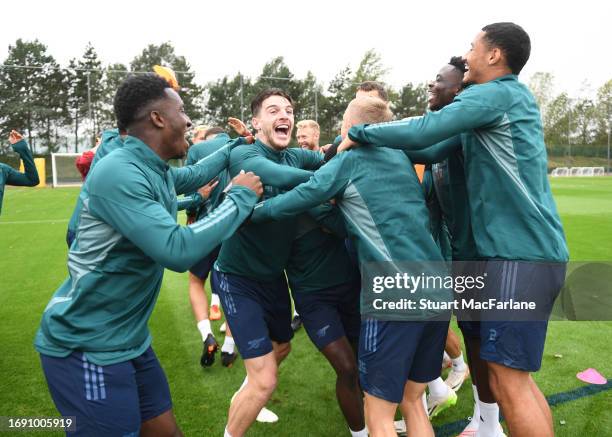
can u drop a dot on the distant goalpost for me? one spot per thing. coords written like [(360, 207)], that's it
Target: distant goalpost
[(63, 168), (578, 171)]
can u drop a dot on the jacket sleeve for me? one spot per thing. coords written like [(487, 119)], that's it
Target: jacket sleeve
[(271, 173), (190, 202), (127, 203), (327, 182), (191, 177), (466, 112), (329, 217), (310, 160), (436, 153), (29, 177)]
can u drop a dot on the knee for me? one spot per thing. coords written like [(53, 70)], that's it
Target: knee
[(282, 350), (506, 383), (346, 372), (265, 383)]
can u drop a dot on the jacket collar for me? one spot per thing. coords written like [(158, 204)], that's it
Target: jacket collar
[(145, 154)]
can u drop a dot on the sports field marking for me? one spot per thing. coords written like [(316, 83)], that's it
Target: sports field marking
[(454, 428), (29, 222)]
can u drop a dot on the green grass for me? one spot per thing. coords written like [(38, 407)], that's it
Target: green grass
[(32, 230)]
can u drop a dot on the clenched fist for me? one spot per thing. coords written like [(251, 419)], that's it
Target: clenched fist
[(249, 180)]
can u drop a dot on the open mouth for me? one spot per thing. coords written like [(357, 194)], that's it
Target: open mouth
[(282, 130)]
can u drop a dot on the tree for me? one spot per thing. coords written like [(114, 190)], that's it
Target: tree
[(340, 91), (603, 111), (370, 68), (556, 122), (30, 91), (541, 85), (164, 54), (224, 100), (114, 75), (411, 101)]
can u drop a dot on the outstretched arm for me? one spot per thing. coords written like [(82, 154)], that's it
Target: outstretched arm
[(436, 153), (29, 177), (327, 182)]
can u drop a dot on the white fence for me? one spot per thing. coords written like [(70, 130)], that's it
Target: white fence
[(578, 171)]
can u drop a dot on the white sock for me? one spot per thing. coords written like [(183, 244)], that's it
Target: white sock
[(244, 383), (458, 364), (204, 328), (226, 433), (446, 357), (294, 313), (424, 400), (362, 433), (437, 388), (489, 419), (475, 422), (214, 299), (228, 345)]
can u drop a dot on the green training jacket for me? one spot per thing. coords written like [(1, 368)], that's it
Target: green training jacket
[(127, 235), (10, 176), (512, 211)]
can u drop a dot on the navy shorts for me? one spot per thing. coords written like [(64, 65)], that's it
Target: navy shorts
[(391, 353), (203, 267), (107, 400), (257, 312), (518, 344), (331, 313)]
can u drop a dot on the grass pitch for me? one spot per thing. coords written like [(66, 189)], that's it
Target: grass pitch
[(32, 231)]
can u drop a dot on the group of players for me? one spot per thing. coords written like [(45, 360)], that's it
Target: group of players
[(261, 216)]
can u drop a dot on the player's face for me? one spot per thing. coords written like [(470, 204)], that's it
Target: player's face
[(176, 124), (476, 60), (346, 122), (443, 90), (307, 138), (274, 122)]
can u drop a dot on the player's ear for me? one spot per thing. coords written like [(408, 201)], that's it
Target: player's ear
[(495, 56), (255, 123), (157, 119)]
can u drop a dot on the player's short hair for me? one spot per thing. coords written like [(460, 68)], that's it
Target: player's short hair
[(308, 123), (200, 127), (214, 131), (458, 63), (134, 94), (370, 110), (370, 85), (513, 42), (263, 95)]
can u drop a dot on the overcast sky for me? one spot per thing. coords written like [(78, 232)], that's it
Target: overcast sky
[(573, 40)]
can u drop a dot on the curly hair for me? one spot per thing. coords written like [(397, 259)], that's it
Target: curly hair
[(134, 94)]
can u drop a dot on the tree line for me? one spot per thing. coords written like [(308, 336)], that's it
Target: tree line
[(63, 108)]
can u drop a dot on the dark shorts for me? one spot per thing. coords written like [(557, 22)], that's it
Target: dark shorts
[(203, 267), (70, 237), (257, 312), (107, 400), (330, 314), (518, 344), (391, 353)]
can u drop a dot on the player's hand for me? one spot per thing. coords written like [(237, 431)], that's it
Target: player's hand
[(15, 137), (346, 144), (325, 148), (249, 180), (241, 129), (205, 190)]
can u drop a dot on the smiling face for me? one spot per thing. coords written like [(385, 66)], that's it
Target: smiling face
[(482, 61), (175, 124), (307, 138), (443, 90), (274, 122)]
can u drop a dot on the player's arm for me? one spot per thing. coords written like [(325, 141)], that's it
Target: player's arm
[(309, 160), (466, 112), (330, 218), (271, 173), (436, 153), (189, 178), (128, 204), (29, 177), (191, 202), (326, 183)]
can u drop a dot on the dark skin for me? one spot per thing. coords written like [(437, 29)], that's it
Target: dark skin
[(445, 87), (163, 125)]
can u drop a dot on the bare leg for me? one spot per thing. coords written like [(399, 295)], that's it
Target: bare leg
[(163, 425), (198, 298), (413, 411), (518, 402), (379, 416), (262, 378), (453, 345)]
